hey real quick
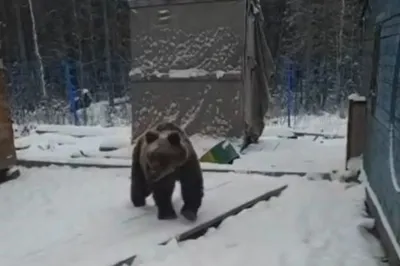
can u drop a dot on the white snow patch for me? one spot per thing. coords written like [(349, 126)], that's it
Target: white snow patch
[(45, 138), (158, 74), (82, 131), (63, 147), (219, 74), (84, 217), (357, 97), (297, 155), (327, 123), (274, 152), (136, 71), (187, 73), (352, 173), (310, 224)]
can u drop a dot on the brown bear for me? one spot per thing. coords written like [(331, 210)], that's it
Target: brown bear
[(163, 155)]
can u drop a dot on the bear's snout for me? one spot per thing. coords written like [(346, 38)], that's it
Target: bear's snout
[(157, 158)]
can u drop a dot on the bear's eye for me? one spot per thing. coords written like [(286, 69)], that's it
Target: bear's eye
[(151, 136), (174, 139)]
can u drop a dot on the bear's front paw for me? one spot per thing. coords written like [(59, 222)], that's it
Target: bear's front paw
[(189, 215), (139, 202), (169, 215)]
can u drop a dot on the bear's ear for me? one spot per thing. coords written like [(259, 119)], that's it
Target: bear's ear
[(151, 136), (174, 138)]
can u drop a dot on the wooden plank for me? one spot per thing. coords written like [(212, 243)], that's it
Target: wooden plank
[(37, 163), (7, 148), (202, 228), (322, 135), (356, 129)]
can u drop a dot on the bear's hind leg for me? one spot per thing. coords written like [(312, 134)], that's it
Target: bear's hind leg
[(162, 194)]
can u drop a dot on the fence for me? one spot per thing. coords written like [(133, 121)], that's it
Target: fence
[(312, 85), (66, 80), (382, 66), (290, 96)]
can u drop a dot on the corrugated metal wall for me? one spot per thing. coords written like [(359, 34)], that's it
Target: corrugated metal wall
[(382, 156)]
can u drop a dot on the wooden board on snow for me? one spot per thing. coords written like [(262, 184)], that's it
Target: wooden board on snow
[(202, 228)]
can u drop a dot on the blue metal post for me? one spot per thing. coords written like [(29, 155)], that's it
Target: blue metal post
[(289, 94), (293, 92), (71, 92)]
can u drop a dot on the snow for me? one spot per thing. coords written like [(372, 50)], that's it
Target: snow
[(311, 223), (187, 73), (357, 97), (184, 73), (82, 131), (62, 216), (326, 123), (83, 217), (136, 71), (304, 155), (219, 74), (381, 213), (115, 142), (272, 152)]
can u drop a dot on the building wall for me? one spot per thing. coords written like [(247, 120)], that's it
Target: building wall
[(382, 155)]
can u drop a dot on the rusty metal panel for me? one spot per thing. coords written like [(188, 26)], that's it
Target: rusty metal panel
[(7, 148), (356, 128)]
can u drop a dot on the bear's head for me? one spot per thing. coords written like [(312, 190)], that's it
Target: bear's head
[(163, 152)]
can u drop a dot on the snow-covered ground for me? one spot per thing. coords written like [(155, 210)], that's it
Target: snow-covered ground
[(66, 217), (275, 150), (83, 217), (310, 224), (330, 124)]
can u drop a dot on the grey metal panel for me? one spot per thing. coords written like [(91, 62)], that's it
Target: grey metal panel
[(211, 107), (208, 37)]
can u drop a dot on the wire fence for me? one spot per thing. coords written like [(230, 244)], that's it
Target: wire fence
[(302, 93), (82, 94), (85, 94)]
